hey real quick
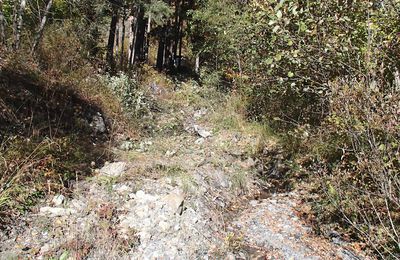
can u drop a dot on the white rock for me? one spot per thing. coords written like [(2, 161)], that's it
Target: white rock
[(170, 153), (57, 212), (114, 169), (140, 194), (174, 201), (199, 141), (253, 203), (98, 124), (122, 189), (164, 226), (201, 131), (58, 200)]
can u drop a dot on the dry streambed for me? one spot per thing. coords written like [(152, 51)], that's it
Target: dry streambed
[(188, 195)]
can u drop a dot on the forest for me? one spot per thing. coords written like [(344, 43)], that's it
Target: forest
[(320, 78)]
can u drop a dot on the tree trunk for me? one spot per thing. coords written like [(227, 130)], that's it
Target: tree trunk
[(2, 26), (123, 39), (148, 36), (177, 29), (117, 38), (132, 41), (197, 64), (140, 33), (18, 24), (111, 39), (161, 50), (39, 33)]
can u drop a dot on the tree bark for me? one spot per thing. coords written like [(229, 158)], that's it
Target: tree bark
[(197, 64), (123, 39), (2, 26), (148, 36), (111, 39), (140, 33), (39, 33), (161, 49), (132, 41), (177, 29), (117, 37), (18, 24)]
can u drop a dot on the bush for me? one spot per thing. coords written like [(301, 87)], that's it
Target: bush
[(361, 140), (134, 101)]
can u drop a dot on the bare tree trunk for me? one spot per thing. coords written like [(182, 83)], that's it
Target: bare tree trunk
[(177, 29), (2, 26), (161, 49), (148, 36), (133, 41), (197, 65), (39, 33), (140, 35), (111, 39), (117, 38), (18, 24), (123, 39)]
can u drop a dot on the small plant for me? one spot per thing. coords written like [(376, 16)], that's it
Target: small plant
[(234, 242)]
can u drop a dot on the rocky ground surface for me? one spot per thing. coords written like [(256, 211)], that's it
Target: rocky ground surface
[(187, 191)]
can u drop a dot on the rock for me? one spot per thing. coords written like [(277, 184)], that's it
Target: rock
[(200, 113), (57, 212), (174, 201), (221, 180), (201, 131), (170, 153), (114, 169), (155, 88), (98, 124), (44, 249), (122, 188), (140, 194), (164, 226), (199, 141), (58, 200), (126, 146), (253, 203)]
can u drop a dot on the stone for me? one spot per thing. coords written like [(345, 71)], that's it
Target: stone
[(170, 153), (114, 169), (44, 249), (253, 203), (57, 212), (199, 141), (122, 188), (126, 146), (98, 124), (58, 200), (164, 226), (201, 131), (174, 201), (200, 113)]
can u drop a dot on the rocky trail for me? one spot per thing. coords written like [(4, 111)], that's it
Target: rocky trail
[(187, 191)]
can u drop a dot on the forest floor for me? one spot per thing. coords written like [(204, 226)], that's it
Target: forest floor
[(188, 190)]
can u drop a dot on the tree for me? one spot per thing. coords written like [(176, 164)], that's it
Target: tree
[(2, 25), (18, 23), (39, 33), (111, 38)]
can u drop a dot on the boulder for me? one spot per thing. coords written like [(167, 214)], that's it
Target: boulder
[(114, 169)]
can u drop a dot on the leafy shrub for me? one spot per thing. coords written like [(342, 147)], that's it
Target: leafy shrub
[(135, 102), (362, 180), (288, 51)]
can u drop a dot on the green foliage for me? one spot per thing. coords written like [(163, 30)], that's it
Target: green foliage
[(362, 184), (135, 102), (159, 12), (288, 51)]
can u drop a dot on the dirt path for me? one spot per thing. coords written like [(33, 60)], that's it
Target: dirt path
[(185, 192)]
